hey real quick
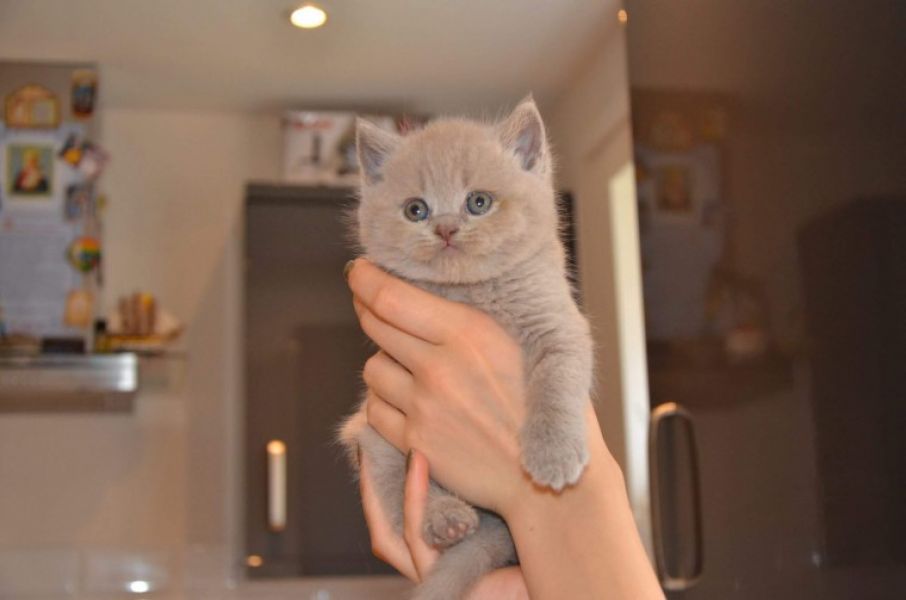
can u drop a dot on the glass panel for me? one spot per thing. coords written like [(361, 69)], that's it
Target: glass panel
[(769, 154), (303, 351)]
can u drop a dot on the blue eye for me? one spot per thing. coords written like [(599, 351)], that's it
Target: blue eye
[(416, 210), (479, 203)]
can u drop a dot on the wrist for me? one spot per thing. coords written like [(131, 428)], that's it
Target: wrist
[(582, 542), (601, 479)]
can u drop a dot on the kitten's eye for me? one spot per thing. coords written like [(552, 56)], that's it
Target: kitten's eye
[(478, 203), (416, 210)]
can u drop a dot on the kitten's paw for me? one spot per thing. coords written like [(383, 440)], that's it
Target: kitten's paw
[(448, 520), (553, 460)]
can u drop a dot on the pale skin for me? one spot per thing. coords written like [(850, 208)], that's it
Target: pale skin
[(448, 386)]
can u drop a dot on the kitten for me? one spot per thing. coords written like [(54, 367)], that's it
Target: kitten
[(487, 191)]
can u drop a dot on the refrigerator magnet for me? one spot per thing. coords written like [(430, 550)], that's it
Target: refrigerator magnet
[(84, 92), (84, 254), (32, 106), (94, 159), (78, 202), (79, 309), (72, 150)]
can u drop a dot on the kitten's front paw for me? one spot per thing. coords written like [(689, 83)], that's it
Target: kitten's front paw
[(552, 459), (448, 520)]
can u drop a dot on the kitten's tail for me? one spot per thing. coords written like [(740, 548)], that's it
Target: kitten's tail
[(347, 434), (459, 567)]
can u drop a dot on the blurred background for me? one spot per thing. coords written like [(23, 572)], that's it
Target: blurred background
[(177, 342)]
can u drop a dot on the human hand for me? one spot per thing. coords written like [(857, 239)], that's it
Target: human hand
[(448, 382), (454, 392), (409, 554)]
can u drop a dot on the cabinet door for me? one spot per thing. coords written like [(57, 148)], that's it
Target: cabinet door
[(304, 354)]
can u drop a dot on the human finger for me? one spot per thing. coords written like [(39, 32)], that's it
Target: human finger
[(389, 380), (414, 502), (402, 304), (389, 422), (386, 544), (408, 350)]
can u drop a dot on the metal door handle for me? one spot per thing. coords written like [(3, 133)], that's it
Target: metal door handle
[(276, 485), (674, 581)]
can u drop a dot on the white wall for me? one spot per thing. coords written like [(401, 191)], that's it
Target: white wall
[(160, 481), (177, 190)]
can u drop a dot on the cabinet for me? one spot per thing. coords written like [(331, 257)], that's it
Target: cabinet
[(303, 357)]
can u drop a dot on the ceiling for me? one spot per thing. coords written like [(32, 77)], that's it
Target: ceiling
[(432, 56)]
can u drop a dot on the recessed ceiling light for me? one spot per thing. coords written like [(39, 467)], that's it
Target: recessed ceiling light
[(308, 16), (139, 586)]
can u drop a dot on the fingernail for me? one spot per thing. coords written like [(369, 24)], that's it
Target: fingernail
[(409, 459), (348, 268)]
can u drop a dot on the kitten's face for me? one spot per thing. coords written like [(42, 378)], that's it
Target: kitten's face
[(458, 201)]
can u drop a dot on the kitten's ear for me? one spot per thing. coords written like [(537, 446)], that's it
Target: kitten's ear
[(373, 146), (523, 133)]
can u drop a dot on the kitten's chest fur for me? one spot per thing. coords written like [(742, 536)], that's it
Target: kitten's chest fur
[(529, 301), (502, 298)]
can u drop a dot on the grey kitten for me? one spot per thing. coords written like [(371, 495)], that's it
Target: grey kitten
[(467, 211)]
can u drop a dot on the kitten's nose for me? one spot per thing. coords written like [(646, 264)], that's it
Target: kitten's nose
[(446, 231)]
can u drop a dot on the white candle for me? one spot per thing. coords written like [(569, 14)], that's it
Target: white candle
[(276, 485)]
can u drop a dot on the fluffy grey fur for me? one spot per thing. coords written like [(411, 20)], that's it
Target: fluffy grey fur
[(508, 262)]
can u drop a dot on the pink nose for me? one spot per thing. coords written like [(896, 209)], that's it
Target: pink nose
[(446, 231)]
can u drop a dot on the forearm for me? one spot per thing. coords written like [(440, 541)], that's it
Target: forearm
[(583, 542)]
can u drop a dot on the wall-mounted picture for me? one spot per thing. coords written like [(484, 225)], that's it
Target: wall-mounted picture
[(29, 170)]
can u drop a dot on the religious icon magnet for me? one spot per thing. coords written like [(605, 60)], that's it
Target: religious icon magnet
[(29, 170)]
